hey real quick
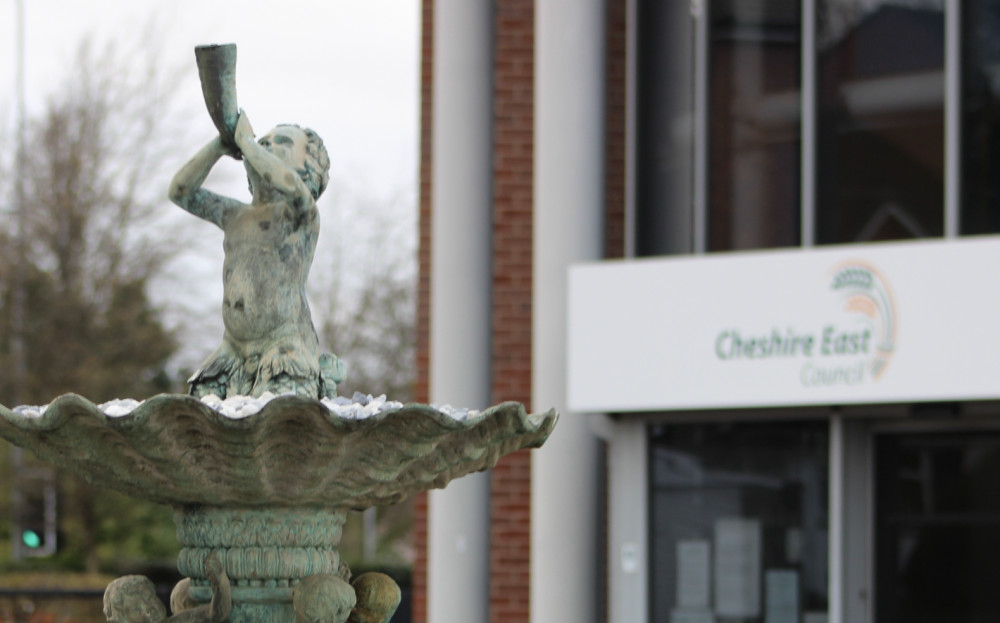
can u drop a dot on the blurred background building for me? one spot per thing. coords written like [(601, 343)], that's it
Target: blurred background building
[(746, 249)]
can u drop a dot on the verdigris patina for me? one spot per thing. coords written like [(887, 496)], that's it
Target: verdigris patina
[(261, 496), (270, 344), (268, 494), (378, 597), (323, 598), (132, 599)]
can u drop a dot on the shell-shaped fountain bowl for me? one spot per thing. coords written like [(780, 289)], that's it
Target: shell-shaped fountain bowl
[(295, 452)]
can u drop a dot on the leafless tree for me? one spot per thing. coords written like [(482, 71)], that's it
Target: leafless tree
[(363, 290), (93, 241)]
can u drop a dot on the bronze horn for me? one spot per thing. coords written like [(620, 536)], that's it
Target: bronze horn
[(217, 71)]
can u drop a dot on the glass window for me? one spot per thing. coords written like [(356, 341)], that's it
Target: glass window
[(665, 128), (754, 124), (880, 120), (738, 524), (980, 117), (937, 527)]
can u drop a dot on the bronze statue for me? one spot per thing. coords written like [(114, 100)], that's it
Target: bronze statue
[(238, 488), (270, 344), (378, 598), (323, 598), (132, 599)]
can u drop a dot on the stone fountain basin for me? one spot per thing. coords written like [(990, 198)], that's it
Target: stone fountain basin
[(174, 449), (267, 493)]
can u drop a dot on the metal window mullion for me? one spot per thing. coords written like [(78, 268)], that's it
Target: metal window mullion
[(836, 528), (631, 111), (807, 179), (700, 12), (952, 117)]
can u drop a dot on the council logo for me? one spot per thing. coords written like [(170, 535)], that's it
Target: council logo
[(866, 293), (846, 340)]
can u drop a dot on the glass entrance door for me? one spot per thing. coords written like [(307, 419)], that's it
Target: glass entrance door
[(937, 527)]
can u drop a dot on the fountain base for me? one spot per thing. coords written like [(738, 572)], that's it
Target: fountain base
[(266, 553)]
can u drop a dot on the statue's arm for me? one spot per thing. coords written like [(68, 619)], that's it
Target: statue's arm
[(282, 177), (222, 602), (186, 190)]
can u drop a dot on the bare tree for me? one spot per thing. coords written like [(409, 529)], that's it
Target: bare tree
[(364, 290), (94, 241)]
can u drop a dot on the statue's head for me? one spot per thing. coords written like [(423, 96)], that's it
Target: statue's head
[(304, 151), (132, 599), (323, 598)]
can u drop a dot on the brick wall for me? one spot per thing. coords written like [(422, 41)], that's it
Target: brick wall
[(614, 130), (422, 381), (513, 157)]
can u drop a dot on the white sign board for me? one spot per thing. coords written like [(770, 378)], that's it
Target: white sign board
[(878, 323)]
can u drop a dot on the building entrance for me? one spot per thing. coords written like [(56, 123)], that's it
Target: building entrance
[(739, 522), (937, 527)]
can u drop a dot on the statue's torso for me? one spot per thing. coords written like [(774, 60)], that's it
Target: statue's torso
[(269, 250)]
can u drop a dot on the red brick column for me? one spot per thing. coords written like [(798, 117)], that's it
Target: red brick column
[(615, 119), (422, 381), (510, 556)]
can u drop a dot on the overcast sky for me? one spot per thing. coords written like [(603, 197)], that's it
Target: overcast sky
[(346, 68)]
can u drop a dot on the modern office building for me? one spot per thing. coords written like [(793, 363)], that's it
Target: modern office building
[(747, 249)]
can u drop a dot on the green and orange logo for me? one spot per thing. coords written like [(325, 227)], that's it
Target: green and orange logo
[(866, 292), (852, 347)]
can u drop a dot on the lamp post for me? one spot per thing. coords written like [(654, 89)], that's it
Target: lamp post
[(33, 491), (17, 349)]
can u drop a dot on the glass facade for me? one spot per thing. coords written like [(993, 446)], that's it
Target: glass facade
[(980, 183), (755, 50), (871, 129), (665, 113), (880, 120), (937, 527), (738, 522)]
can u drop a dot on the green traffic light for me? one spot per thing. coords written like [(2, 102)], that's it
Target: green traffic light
[(31, 538)]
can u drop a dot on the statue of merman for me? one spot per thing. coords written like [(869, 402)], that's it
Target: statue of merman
[(270, 344)]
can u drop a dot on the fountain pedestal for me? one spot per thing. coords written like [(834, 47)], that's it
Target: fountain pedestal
[(266, 553)]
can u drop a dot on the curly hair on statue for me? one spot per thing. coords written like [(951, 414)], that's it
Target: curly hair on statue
[(316, 174)]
